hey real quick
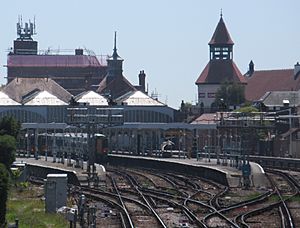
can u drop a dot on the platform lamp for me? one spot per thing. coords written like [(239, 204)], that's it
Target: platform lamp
[(286, 103)]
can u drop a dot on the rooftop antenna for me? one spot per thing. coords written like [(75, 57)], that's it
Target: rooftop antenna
[(147, 88), (26, 32), (34, 25)]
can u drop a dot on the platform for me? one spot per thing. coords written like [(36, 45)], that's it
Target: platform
[(81, 173), (233, 175)]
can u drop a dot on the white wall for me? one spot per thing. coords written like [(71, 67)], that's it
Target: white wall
[(203, 94)]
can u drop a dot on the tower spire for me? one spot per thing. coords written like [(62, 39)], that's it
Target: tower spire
[(114, 62), (115, 53), (115, 42), (221, 43)]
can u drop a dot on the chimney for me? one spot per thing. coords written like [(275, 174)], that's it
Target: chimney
[(251, 69), (142, 77), (296, 70), (79, 51)]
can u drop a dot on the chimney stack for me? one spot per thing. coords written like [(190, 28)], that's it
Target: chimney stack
[(251, 69), (296, 70), (142, 77)]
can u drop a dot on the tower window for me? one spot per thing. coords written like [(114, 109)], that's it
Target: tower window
[(201, 95)]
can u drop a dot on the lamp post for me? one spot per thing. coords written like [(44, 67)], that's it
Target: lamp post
[(27, 143), (46, 143), (218, 147), (286, 103), (54, 147), (36, 133)]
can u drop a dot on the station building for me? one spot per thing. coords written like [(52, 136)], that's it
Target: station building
[(41, 87), (75, 72)]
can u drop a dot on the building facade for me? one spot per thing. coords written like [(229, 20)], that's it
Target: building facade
[(220, 68), (76, 72)]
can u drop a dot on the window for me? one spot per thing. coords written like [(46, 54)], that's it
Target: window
[(201, 95), (211, 95)]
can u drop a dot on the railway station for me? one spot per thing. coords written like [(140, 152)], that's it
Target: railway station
[(108, 153)]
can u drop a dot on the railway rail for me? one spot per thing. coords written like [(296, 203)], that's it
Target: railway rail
[(152, 198)]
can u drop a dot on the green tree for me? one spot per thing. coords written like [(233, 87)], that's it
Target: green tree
[(9, 126), (3, 193), (231, 93), (247, 109), (7, 150)]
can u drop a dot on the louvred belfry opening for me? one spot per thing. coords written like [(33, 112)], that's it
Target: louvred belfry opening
[(221, 43)]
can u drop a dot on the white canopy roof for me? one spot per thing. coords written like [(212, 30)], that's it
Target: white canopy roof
[(43, 98), (138, 98), (92, 98), (5, 100)]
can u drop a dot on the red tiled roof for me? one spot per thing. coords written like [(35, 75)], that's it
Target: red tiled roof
[(270, 80), (54, 61), (221, 34), (218, 71), (206, 118)]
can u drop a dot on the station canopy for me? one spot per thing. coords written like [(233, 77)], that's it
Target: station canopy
[(43, 98), (92, 98), (5, 100), (138, 98)]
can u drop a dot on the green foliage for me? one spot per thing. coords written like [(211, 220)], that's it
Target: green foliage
[(9, 126), (7, 150), (3, 192), (23, 185), (247, 109), (30, 210), (231, 93), (15, 174), (188, 104)]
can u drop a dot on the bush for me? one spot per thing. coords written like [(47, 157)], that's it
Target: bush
[(7, 150), (3, 191), (9, 126)]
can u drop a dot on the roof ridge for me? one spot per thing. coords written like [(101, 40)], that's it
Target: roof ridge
[(274, 70)]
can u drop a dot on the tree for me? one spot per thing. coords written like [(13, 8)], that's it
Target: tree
[(3, 191), (7, 150), (9, 131), (9, 126), (231, 93), (247, 109)]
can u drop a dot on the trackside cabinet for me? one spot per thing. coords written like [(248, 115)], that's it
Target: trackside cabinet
[(55, 192)]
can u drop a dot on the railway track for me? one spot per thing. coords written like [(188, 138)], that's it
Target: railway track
[(285, 213), (151, 198), (270, 209)]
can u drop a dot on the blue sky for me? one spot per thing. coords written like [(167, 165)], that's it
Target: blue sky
[(168, 39)]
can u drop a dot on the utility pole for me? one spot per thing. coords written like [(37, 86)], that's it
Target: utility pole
[(88, 117)]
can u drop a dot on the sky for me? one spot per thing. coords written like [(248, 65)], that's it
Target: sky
[(168, 39)]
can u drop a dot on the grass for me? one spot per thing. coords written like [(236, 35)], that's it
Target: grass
[(276, 198), (28, 207), (253, 195), (295, 198)]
